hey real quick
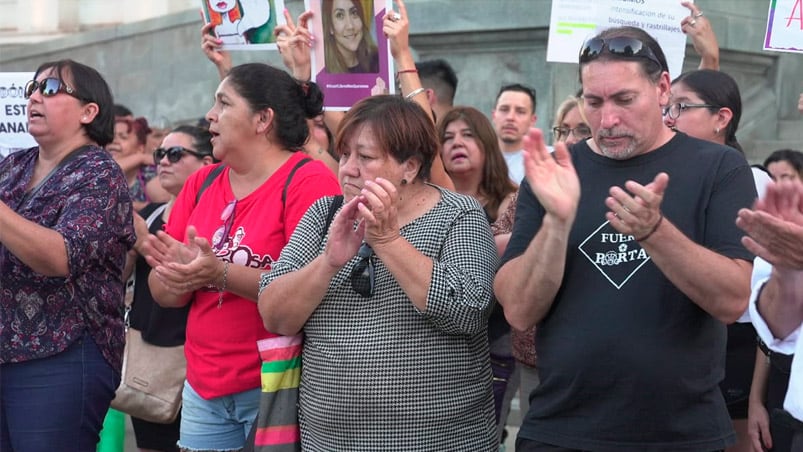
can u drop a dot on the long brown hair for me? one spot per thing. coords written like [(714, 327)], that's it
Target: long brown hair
[(495, 185)]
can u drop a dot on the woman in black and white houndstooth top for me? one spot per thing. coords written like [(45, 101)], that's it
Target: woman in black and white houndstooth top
[(393, 299)]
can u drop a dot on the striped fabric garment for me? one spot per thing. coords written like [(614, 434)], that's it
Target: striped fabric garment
[(277, 422)]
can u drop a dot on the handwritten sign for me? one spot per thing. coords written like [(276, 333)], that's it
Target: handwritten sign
[(574, 21), (785, 26), (14, 112)]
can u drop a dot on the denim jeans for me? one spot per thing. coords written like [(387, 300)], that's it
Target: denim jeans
[(222, 423), (58, 402)]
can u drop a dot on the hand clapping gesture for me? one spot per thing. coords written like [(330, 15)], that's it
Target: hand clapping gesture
[(552, 179)]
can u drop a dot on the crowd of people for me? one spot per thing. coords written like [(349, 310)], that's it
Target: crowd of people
[(636, 282)]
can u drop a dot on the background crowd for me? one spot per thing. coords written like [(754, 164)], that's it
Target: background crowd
[(429, 262)]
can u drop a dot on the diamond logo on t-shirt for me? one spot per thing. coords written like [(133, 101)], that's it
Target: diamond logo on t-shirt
[(617, 256)]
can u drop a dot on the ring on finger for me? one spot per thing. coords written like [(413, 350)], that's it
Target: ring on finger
[(699, 14), (395, 17), (692, 22)]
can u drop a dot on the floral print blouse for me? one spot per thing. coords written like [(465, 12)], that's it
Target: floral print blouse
[(86, 200)]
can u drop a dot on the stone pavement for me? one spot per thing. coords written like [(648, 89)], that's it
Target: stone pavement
[(513, 421)]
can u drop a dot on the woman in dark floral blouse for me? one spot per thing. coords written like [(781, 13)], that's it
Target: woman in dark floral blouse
[(65, 228)]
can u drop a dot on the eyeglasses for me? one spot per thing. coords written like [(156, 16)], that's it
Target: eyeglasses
[(49, 87), (579, 132), (174, 154), (222, 233), (621, 46), (674, 110), (362, 277)]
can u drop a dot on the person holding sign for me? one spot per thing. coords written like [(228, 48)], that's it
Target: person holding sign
[(348, 45), (629, 277)]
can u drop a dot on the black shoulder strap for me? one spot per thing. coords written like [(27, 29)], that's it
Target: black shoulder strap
[(330, 215), (208, 181), (300, 163)]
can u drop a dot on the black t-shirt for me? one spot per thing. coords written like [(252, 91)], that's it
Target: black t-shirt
[(165, 327), (627, 361)]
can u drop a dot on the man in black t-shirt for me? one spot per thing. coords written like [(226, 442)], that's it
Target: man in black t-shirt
[(629, 277)]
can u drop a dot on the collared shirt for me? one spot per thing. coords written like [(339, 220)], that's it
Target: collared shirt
[(791, 344)]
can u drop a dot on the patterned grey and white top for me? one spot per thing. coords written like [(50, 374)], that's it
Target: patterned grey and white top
[(378, 374)]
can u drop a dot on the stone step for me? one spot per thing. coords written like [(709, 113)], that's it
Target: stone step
[(791, 129), (758, 150)]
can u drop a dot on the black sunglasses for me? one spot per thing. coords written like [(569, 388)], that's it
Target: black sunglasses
[(173, 154), (49, 87), (622, 46), (362, 276)]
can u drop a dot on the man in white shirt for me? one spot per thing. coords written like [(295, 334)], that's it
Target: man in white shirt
[(775, 234), (512, 117)]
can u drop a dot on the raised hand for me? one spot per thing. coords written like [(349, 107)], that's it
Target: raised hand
[(294, 43), (552, 179), (703, 38), (636, 209), (775, 226), (344, 239), (396, 28), (211, 47)]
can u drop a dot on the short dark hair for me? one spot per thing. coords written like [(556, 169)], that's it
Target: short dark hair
[(201, 138), (791, 156), (720, 90), (518, 87), (90, 87), (400, 127), (651, 70), (264, 86), (440, 77)]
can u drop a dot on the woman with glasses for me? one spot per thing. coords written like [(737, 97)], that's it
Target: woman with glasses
[(570, 125), (185, 150), (393, 297), (706, 104), (228, 225), (65, 229)]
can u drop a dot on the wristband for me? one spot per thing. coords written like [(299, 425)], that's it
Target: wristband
[(414, 93), (222, 288), (407, 71), (652, 231)]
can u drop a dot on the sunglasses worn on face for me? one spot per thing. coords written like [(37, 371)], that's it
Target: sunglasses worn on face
[(222, 233), (674, 110), (49, 87), (579, 132), (621, 46), (174, 154), (362, 277)]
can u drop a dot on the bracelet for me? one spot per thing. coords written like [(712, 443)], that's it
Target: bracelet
[(414, 93), (652, 231), (407, 71), (222, 288)]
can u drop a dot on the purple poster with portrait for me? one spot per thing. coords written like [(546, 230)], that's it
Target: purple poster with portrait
[(350, 57)]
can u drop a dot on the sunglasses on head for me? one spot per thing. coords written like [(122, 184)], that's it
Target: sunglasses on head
[(48, 87), (621, 46), (362, 277), (173, 154)]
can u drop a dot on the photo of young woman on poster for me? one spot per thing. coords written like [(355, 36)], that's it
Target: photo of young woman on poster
[(349, 46)]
